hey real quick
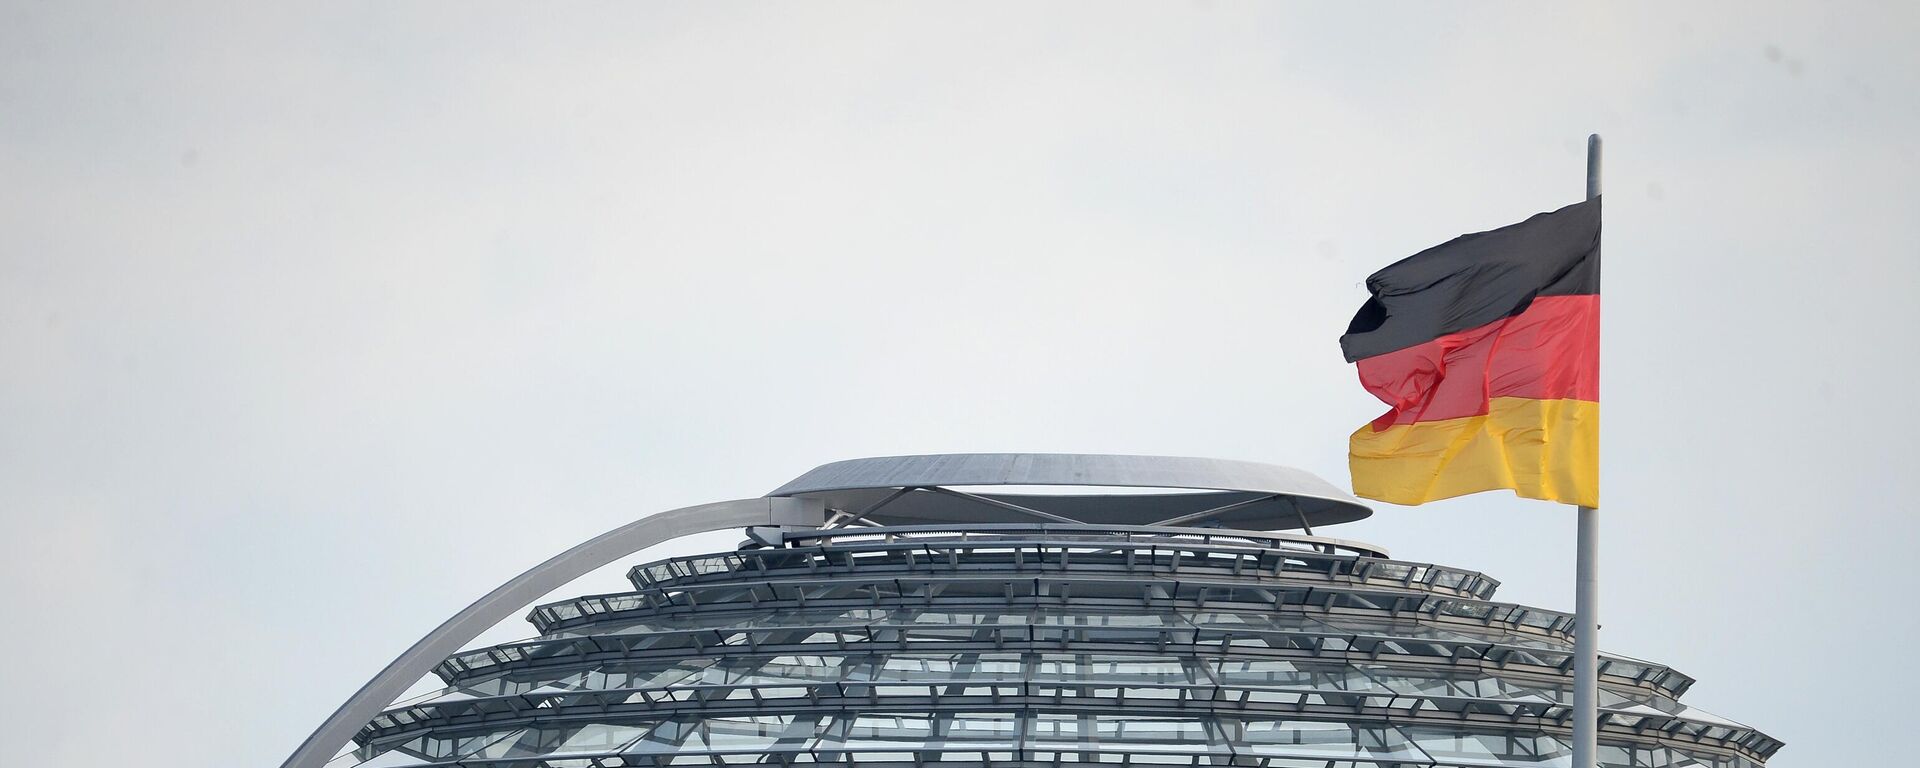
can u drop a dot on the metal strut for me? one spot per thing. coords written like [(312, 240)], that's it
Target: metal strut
[(515, 595)]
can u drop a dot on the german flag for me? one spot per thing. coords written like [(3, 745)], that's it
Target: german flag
[(1487, 348)]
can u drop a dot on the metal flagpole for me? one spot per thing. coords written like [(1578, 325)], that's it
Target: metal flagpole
[(1586, 575)]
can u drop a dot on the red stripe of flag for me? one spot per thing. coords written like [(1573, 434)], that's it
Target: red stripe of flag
[(1550, 351)]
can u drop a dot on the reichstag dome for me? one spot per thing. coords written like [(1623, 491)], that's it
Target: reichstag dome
[(1003, 609)]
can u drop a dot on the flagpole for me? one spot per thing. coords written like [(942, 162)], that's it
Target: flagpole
[(1586, 597)]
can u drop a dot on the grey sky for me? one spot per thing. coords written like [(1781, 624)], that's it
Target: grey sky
[(317, 323)]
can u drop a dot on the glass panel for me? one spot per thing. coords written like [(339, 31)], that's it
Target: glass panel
[(596, 738), (950, 666), (524, 742), (642, 674), (1420, 682), (1081, 619), (908, 733), (1282, 622), (1296, 674), (749, 733), (1492, 749), (1069, 667), (392, 759), (1303, 738), (1060, 732), (954, 618)]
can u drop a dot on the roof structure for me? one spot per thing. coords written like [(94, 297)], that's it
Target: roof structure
[(927, 489), (944, 610)]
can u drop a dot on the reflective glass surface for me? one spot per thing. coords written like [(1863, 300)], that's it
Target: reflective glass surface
[(975, 650)]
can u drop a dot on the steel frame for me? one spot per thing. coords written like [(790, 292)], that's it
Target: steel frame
[(823, 575)]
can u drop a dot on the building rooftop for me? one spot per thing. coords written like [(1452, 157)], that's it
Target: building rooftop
[(940, 488)]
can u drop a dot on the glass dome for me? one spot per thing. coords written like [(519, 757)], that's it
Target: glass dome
[(1043, 644)]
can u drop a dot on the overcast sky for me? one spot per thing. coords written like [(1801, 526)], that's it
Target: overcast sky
[(317, 324)]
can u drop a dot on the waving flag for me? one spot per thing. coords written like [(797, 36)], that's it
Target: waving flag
[(1487, 349)]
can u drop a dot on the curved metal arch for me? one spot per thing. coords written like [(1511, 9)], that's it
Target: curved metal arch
[(509, 598)]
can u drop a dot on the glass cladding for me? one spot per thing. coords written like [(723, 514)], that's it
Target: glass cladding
[(1036, 647)]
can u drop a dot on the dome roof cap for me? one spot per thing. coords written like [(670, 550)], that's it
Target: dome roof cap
[(951, 488)]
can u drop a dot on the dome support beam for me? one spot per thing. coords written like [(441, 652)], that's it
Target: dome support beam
[(515, 595)]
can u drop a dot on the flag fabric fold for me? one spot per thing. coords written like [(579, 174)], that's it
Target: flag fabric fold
[(1487, 350)]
